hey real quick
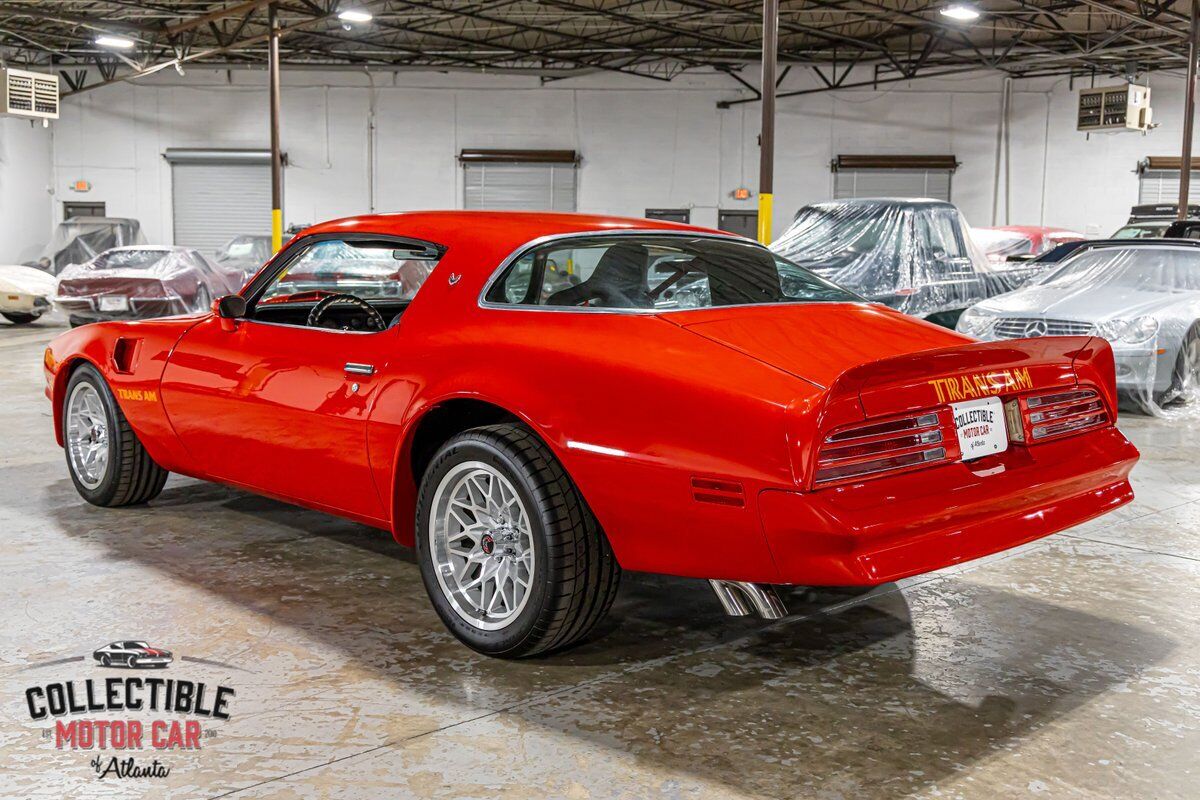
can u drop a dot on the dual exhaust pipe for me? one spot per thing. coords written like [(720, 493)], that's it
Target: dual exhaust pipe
[(742, 598)]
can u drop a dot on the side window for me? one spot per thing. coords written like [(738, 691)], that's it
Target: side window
[(369, 270), (943, 235)]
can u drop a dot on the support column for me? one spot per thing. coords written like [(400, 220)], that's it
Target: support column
[(1189, 111), (766, 142), (276, 155)]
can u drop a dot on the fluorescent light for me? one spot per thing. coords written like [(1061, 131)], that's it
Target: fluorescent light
[(961, 12), (119, 42), (355, 15)]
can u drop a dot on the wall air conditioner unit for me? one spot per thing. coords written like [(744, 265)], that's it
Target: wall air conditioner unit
[(1125, 107), (33, 95)]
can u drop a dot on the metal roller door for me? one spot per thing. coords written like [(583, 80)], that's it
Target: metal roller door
[(934, 184), (1162, 186), (519, 187), (893, 176), (217, 197)]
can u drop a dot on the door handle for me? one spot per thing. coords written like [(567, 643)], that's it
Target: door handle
[(359, 369)]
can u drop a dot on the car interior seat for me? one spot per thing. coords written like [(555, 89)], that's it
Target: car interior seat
[(618, 281)]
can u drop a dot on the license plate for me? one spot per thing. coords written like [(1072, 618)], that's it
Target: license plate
[(114, 303), (980, 427)]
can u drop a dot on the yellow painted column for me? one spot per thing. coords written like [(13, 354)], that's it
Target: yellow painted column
[(764, 217), (276, 229)]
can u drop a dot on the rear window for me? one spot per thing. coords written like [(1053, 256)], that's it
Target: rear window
[(658, 273), (129, 259)]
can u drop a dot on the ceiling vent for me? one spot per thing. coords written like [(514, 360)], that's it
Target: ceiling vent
[(30, 94)]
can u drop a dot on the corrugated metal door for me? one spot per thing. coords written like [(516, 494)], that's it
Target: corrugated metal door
[(519, 187), (212, 203), (1162, 186), (851, 183)]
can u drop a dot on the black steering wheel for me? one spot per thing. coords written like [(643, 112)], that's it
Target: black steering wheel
[(374, 318)]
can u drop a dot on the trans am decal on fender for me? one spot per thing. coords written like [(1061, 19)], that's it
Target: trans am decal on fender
[(535, 402)]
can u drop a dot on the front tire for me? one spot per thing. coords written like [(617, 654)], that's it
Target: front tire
[(1185, 377), (19, 318), (512, 558), (107, 463)]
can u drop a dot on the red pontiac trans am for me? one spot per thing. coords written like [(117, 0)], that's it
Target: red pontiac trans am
[(556, 398)]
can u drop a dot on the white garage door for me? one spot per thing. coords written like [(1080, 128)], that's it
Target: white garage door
[(1162, 186), (519, 187), (850, 183), (217, 197)]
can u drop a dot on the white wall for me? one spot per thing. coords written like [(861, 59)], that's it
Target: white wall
[(25, 184), (644, 144)]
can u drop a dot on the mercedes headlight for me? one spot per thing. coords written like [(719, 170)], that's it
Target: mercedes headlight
[(1128, 331), (974, 322)]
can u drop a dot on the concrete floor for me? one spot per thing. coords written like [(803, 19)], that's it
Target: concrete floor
[(1067, 668)]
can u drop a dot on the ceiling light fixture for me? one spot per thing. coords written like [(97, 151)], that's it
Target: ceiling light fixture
[(355, 15), (961, 12), (118, 42)]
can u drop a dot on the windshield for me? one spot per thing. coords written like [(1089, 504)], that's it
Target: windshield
[(1149, 269), (129, 259), (1143, 230), (661, 272)]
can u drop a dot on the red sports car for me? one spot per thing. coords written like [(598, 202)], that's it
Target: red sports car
[(682, 401), (1017, 241)]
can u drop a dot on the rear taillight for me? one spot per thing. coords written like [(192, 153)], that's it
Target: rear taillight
[(1038, 417), (869, 449)]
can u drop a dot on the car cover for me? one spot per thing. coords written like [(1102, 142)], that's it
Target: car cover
[(914, 255), (81, 239), (1144, 299), (140, 282)]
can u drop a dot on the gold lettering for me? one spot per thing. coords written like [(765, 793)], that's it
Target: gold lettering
[(937, 387)]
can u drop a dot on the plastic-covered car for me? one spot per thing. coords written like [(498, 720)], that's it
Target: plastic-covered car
[(245, 253), (141, 283), (534, 441), (1020, 242), (25, 293), (1142, 296), (81, 239), (916, 256)]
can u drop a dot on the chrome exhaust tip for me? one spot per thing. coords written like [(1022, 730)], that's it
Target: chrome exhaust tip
[(741, 598)]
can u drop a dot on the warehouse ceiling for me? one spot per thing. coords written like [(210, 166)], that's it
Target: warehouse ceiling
[(658, 39)]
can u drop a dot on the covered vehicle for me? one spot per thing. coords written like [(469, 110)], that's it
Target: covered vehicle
[(243, 255), (25, 293), (916, 256), (142, 282), (768, 428), (1142, 296), (80, 239), (1020, 242)]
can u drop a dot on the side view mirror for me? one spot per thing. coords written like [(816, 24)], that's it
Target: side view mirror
[(231, 306), (230, 309)]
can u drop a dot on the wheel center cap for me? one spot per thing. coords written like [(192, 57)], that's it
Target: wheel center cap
[(488, 544)]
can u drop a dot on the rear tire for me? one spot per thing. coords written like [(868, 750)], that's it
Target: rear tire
[(129, 475), (537, 520), (19, 318)]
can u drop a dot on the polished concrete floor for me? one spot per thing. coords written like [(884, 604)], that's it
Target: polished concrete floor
[(1067, 668)]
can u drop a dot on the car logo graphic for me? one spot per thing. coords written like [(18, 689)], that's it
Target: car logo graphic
[(1035, 328), (132, 653)]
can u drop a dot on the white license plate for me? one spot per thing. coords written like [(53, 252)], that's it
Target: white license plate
[(980, 427), (114, 303)]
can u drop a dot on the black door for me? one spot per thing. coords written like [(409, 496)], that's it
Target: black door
[(744, 223)]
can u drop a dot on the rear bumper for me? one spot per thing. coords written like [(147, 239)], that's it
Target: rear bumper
[(884, 530)]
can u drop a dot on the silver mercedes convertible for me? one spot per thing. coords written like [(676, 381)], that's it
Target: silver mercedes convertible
[(1143, 296)]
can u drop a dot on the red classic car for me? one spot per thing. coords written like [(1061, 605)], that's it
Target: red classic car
[(1017, 242), (681, 401)]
